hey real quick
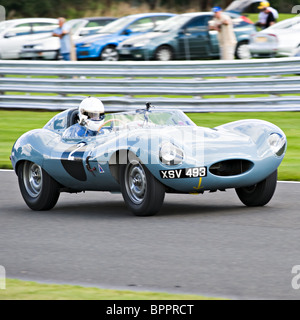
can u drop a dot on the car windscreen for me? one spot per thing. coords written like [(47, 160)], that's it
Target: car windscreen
[(116, 25), (4, 25), (73, 25), (141, 118), (173, 23), (286, 24)]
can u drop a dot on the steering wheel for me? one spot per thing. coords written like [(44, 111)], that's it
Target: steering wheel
[(110, 121)]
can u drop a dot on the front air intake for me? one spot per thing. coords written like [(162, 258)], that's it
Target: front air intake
[(230, 167)]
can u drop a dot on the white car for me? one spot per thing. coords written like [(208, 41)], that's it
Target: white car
[(15, 33), (48, 47), (280, 40)]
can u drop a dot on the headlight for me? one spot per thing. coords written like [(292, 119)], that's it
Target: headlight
[(170, 154), (277, 143), (85, 45), (39, 47), (141, 44)]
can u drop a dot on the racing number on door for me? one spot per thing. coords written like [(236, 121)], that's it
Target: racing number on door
[(72, 161)]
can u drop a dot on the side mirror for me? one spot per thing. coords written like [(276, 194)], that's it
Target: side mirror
[(83, 33), (9, 35), (127, 32)]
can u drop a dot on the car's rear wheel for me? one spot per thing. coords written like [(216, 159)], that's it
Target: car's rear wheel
[(242, 50), (39, 190), (109, 53), (259, 194), (164, 53), (142, 193)]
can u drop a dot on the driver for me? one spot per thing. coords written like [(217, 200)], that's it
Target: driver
[(91, 117)]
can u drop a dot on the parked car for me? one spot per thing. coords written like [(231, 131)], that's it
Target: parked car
[(48, 47), (15, 33), (103, 45), (280, 40), (186, 36), (146, 153)]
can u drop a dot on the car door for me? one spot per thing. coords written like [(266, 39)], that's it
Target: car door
[(194, 39)]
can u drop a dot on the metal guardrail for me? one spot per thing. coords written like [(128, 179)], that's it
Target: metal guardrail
[(193, 86)]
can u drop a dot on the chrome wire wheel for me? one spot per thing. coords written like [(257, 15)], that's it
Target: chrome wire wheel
[(135, 182), (33, 179)]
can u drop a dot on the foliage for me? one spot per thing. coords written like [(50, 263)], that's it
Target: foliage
[(78, 8)]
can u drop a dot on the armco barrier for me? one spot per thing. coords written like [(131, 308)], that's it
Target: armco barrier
[(193, 86)]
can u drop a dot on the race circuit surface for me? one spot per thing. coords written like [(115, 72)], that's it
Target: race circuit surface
[(207, 244)]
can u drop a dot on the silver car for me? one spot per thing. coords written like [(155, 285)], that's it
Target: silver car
[(47, 48), (279, 40), (15, 33)]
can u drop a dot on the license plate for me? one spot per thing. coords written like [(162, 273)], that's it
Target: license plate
[(27, 54), (124, 51), (261, 39), (183, 173)]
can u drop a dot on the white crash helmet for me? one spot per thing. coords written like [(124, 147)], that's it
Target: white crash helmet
[(91, 113)]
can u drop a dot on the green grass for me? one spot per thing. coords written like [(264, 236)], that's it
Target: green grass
[(14, 123), (28, 290), (282, 16)]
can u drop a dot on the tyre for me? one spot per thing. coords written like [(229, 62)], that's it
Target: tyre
[(39, 190), (259, 194), (164, 53), (142, 193), (109, 53), (242, 50)]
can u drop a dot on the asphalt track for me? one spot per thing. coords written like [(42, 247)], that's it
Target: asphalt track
[(207, 244)]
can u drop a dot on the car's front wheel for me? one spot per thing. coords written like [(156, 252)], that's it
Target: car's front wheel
[(39, 190), (109, 53), (164, 53), (259, 194), (142, 193)]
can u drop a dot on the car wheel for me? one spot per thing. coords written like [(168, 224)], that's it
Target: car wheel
[(259, 194), (39, 190), (242, 51), (109, 53), (142, 193), (164, 53)]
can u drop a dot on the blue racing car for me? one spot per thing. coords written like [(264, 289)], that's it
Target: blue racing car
[(145, 153)]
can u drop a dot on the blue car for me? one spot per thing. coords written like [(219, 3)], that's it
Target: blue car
[(146, 153), (103, 44)]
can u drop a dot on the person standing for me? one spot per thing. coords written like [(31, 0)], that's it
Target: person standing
[(226, 36), (270, 18), (63, 32), (265, 9)]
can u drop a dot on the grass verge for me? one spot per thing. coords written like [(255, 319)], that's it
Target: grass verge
[(14, 123), (28, 290)]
